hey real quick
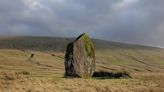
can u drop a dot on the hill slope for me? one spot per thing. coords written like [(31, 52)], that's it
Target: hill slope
[(110, 56), (57, 44), (37, 64)]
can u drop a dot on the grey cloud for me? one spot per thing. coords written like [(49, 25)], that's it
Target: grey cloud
[(130, 21)]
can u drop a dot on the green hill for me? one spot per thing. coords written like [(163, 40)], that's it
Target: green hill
[(57, 44)]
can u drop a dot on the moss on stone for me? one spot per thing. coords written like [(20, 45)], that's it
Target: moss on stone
[(88, 45)]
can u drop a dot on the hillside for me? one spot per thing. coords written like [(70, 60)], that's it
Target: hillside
[(57, 44), (109, 55), (19, 72)]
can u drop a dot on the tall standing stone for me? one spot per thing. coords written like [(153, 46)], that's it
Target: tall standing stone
[(80, 58)]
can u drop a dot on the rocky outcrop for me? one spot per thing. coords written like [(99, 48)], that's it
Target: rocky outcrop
[(80, 58)]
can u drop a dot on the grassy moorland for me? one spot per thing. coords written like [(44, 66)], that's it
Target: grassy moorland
[(44, 72)]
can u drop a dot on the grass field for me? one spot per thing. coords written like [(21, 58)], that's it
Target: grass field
[(44, 72)]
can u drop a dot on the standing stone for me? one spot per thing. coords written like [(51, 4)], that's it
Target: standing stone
[(80, 58)]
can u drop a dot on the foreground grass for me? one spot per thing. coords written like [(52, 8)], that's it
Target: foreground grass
[(22, 82)]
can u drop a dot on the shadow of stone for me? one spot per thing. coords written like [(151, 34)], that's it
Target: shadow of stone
[(110, 75)]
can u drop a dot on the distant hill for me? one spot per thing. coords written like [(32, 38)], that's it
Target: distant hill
[(57, 44)]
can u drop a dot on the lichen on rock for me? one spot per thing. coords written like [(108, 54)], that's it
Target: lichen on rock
[(80, 58)]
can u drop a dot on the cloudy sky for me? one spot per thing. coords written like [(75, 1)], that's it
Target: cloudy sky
[(130, 21)]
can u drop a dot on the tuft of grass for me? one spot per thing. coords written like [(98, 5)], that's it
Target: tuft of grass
[(9, 77), (23, 73)]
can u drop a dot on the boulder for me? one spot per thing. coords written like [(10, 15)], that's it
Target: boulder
[(80, 58)]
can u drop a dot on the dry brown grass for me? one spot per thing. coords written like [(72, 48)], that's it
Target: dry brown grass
[(141, 82), (17, 74)]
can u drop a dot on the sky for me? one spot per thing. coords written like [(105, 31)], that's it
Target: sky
[(127, 21)]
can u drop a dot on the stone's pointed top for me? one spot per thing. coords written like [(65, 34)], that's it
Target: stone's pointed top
[(82, 35), (85, 34)]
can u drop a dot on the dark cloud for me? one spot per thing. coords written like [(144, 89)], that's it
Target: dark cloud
[(130, 21)]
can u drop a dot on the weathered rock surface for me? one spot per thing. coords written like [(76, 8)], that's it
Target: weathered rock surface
[(80, 58)]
